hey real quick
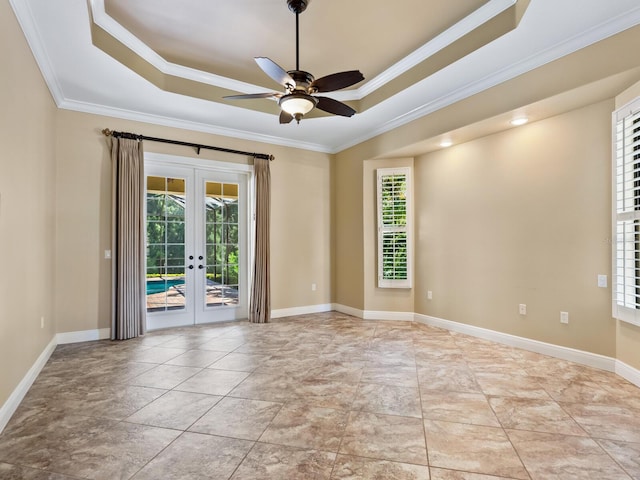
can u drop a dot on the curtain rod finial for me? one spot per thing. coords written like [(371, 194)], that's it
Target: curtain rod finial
[(106, 132)]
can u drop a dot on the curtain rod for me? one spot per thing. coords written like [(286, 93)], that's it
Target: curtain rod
[(197, 146)]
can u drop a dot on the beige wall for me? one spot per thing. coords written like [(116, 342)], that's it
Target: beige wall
[(627, 335), (301, 216), (522, 216), (27, 202), (348, 254), (379, 299)]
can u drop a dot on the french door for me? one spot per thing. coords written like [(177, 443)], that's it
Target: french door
[(197, 226)]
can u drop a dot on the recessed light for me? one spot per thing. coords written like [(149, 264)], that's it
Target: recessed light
[(446, 143), (516, 122)]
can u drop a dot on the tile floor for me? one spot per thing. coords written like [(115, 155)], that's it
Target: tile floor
[(323, 396)]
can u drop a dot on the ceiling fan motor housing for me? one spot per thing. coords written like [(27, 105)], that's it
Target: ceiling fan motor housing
[(298, 6), (303, 80)]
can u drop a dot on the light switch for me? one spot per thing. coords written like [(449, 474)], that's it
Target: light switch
[(107, 254), (602, 281)]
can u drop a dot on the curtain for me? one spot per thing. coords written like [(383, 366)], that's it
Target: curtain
[(128, 255), (260, 308)]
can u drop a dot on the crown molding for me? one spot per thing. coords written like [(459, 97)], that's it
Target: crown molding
[(572, 45), (25, 18), (124, 114)]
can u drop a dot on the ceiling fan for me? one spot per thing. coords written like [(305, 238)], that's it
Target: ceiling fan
[(298, 98)]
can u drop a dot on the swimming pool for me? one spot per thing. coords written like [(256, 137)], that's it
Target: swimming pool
[(159, 286)]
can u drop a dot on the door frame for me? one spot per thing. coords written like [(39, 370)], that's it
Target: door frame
[(160, 320)]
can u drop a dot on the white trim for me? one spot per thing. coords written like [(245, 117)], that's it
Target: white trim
[(557, 351), (354, 312), (374, 314), (13, 402), (628, 372), (83, 336), (25, 17), (619, 119), (381, 315), (407, 228), (164, 160), (288, 312), (95, 109)]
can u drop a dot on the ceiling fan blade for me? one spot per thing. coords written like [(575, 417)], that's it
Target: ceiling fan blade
[(275, 71), (285, 117), (336, 81), (249, 96), (334, 106)]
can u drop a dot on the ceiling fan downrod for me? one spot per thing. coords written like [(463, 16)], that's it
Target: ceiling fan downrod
[(297, 7)]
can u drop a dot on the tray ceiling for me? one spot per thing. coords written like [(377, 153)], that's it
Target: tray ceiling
[(170, 62)]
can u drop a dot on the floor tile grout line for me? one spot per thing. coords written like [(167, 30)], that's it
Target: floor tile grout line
[(422, 420), (506, 434), (606, 452)]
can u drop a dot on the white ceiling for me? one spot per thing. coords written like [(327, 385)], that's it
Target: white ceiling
[(359, 34)]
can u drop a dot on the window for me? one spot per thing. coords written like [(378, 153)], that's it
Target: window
[(394, 227), (626, 214)]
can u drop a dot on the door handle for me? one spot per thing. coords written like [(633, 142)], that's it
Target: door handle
[(200, 267), (190, 257), (190, 267), (200, 257)]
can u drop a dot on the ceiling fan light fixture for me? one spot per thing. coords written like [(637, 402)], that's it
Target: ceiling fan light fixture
[(297, 104)]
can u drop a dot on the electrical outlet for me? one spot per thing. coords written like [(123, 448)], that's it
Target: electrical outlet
[(107, 254), (314, 287), (602, 281), (429, 295), (564, 317), (522, 308)]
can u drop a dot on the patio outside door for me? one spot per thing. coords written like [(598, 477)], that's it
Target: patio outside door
[(197, 245)]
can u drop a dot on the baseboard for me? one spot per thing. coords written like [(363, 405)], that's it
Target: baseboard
[(628, 372), (354, 312), (578, 356), (380, 315), (83, 336), (11, 405), (289, 312)]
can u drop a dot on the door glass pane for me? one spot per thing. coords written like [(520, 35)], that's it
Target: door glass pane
[(166, 200), (221, 205)]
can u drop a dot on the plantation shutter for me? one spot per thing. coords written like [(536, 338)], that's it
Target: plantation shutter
[(394, 233), (626, 285)]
